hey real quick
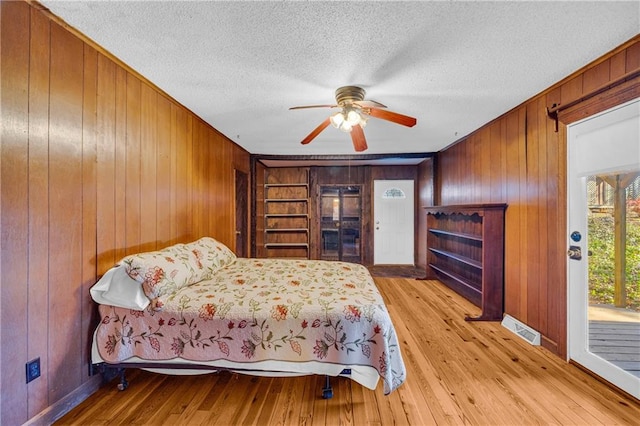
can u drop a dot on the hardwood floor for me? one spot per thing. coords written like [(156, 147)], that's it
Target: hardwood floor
[(458, 372)]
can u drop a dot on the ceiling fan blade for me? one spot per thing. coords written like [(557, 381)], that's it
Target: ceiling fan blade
[(357, 136), (405, 120), (369, 104), (313, 106), (316, 131)]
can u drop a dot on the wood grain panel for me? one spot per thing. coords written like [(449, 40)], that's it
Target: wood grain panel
[(197, 179), (65, 213), (632, 58), (105, 168), (545, 216), (181, 195), (556, 299), (597, 76), (120, 164), (38, 184), (89, 311), (533, 206), (132, 165), (512, 215), (14, 222), (495, 159), (188, 178), (163, 172), (148, 167), (173, 174)]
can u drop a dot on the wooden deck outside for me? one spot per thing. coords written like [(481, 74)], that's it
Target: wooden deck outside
[(617, 342)]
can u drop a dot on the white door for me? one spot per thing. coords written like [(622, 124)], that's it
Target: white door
[(393, 217), (603, 334)]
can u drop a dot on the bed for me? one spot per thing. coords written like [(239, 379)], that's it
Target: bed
[(196, 307)]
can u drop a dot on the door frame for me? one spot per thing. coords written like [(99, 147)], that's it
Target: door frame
[(577, 273)]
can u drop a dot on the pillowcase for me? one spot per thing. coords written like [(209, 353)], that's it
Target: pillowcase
[(165, 271), (210, 255), (117, 288)]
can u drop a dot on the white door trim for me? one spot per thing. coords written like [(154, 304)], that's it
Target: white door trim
[(595, 145)]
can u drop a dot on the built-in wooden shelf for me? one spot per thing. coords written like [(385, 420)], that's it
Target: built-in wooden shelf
[(465, 251), (286, 213), (459, 258)]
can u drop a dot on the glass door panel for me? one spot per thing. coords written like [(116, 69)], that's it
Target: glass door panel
[(340, 223)]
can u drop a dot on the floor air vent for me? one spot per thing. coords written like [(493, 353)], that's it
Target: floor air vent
[(525, 332)]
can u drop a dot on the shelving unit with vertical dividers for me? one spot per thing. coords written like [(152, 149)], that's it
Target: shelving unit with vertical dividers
[(286, 213), (465, 251)]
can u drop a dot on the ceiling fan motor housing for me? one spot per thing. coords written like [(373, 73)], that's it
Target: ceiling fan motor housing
[(346, 95)]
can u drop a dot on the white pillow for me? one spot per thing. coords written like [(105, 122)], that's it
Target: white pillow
[(117, 288)]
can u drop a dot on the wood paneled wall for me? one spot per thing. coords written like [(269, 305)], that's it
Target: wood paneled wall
[(425, 187), (96, 164), (520, 159)]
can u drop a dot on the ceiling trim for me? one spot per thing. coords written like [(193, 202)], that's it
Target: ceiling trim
[(399, 159)]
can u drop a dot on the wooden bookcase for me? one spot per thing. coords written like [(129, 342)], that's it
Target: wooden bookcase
[(465, 251), (286, 213)]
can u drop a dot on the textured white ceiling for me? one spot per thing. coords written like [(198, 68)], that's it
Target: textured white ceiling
[(452, 65)]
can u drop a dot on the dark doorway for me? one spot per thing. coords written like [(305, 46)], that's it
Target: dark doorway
[(242, 213)]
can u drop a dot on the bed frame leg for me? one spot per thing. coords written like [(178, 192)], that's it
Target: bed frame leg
[(327, 391), (123, 380)]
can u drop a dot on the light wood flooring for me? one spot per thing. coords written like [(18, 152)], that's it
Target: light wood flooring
[(472, 373)]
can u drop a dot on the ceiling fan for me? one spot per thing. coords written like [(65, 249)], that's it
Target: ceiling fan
[(353, 116)]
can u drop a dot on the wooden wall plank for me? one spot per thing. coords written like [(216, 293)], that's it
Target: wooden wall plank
[(105, 168), (181, 199), (512, 241), (89, 204), (555, 306), (148, 164), (544, 217), (120, 158), (188, 144), (173, 174), (522, 283), (495, 162), (473, 163), (617, 65), (597, 76), (132, 165), (163, 176), (14, 225), (65, 213), (38, 185), (197, 182), (632, 58), (533, 213)]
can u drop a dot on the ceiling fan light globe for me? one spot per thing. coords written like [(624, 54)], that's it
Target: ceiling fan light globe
[(345, 127), (337, 119), (353, 117)]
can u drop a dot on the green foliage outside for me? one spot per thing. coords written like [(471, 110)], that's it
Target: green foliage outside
[(601, 261)]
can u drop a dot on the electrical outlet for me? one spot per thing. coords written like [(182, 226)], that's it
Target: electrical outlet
[(33, 369)]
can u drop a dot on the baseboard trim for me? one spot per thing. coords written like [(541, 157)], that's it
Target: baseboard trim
[(58, 409)]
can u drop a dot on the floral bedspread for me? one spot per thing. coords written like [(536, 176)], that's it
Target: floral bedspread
[(264, 309)]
